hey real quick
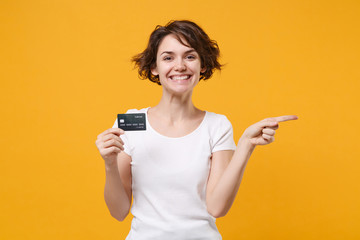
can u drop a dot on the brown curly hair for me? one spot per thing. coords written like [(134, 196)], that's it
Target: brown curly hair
[(207, 49)]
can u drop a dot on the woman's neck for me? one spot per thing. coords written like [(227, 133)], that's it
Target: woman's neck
[(175, 108)]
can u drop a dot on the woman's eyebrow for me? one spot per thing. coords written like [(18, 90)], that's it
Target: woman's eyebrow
[(170, 52)]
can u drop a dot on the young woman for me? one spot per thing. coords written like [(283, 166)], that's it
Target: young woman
[(184, 171)]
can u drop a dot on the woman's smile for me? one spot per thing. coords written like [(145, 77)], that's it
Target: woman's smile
[(181, 79)]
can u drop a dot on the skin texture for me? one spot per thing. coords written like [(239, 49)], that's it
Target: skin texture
[(179, 67)]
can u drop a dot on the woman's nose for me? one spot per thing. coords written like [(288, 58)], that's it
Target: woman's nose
[(180, 66)]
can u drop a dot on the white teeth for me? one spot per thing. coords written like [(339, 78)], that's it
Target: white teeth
[(180, 77)]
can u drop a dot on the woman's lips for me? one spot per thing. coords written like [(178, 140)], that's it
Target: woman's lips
[(180, 77)]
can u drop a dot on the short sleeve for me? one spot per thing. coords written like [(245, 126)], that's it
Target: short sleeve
[(223, 138), (125, 138)]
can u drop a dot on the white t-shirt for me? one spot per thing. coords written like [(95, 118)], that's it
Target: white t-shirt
[(169, 178)]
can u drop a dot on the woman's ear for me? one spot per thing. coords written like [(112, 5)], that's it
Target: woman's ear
[(154, 71), (203, 70)]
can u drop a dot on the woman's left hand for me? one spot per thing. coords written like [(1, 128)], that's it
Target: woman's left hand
[(262, 133)]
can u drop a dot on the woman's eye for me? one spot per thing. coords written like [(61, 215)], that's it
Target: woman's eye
[(190, 57), (167, 58)]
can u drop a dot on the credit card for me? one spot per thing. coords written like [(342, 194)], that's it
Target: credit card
[(132, 121)]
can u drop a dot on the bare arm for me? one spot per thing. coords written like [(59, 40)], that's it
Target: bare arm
[(227, 170), (117, 192), (227, 167)]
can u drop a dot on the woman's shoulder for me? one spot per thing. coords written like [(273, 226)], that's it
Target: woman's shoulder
[(217, 117), (217, 122)]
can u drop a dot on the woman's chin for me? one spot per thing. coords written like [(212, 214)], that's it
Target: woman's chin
[(179, 87)]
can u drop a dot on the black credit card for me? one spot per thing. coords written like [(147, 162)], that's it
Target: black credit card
[(132, 121)]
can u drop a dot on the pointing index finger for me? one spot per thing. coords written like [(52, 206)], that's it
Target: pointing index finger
[(286, 118)]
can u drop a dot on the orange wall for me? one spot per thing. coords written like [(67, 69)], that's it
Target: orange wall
[(65, 73)]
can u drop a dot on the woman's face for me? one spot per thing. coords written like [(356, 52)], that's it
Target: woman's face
[(177, 65)]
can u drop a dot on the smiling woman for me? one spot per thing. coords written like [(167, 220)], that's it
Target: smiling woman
[(178, 67), (188, 34), (184, 170)]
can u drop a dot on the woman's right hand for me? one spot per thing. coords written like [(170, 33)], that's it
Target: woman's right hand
[(110, 145)]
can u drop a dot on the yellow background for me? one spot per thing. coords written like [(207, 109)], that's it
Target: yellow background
[(66, 72)]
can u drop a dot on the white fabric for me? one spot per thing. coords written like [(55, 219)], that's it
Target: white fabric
[(169, 178)]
